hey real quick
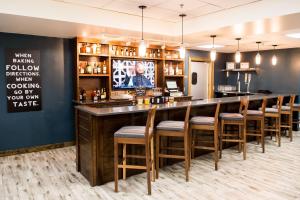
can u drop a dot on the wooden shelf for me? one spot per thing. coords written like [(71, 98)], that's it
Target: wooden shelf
[(135, 57), (94, 75), (240, 70), (174, 76), (90, 54), (174, 59)]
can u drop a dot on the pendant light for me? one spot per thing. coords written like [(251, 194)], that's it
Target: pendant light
[(258, 57), (274, 58), (182, 49), (238, 55), (142, 46), (213, 52)]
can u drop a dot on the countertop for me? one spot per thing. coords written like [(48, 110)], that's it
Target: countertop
[(143, 108)]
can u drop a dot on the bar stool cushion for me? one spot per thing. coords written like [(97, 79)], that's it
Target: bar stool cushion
[(131, 132), (285, 108), (232, 116), (270, 110), (254, 112), (202, 120), (171, 125), (296, 105)]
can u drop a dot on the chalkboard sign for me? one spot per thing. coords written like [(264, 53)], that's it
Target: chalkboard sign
[(23, 80), (140, 91)]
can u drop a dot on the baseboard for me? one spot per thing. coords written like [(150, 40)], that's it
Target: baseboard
[(36, 148)]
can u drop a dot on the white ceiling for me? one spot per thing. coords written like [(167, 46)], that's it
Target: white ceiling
[(163, 9), (253, 20)]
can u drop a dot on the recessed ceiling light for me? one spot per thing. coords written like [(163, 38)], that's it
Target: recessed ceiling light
[(209, 46), (293, 35)]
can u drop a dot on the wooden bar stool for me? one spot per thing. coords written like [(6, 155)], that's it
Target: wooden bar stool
[(296, 108), (135, 135), (258, 116), (274, 114), (173, 129), (236, 119), (287, 111), (210, 126)]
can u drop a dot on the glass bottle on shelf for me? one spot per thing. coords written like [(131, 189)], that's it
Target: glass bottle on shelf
[(130, 53), (98, 94), (103, 94), (88, 49), (134, 52), (126, 52), (94, 48), (104, 68), (95, 71), (166, 69), (122, 53), (98, 68), (158, 53), (151, 54), (154, 54), (98, 49), (89, 69), (83, 95), (83, 48)]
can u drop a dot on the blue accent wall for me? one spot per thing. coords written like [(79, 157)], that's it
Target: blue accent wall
[(55, 122), (282, 78)]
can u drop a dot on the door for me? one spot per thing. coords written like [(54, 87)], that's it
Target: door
[(199, 80)]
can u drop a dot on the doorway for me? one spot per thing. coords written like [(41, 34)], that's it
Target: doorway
[(200, 79)]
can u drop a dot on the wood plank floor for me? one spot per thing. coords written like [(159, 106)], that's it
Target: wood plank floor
[(52, 175)]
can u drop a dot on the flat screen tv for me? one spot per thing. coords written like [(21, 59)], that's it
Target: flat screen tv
[(130, 74)]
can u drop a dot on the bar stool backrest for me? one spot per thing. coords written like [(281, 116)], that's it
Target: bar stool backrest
[(292, 101), (264, 105), (150, 123), (217, 114), (187, 118), (279, 103), (244, 107)]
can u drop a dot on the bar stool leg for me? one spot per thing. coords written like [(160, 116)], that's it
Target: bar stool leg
[(186, 158), (291, 127), (190, 145), (240, 138), (244, 142), (157, 155), (116, 165), (124, 161), (193, 145), (148, 168), (216, 156), (262, 124), (221, 137), (152, 159), (279, 131)]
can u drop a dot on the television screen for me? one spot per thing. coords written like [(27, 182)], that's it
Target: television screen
[(127, 74)]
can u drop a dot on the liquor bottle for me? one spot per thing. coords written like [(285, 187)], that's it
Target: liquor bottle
[(88, 49), (98, 49), (126, 52), (94, 48), (134, 52), (104, 69), (95, 97), (154, 54), (130, 53), (83, 95), (89, 69), (81, 70), (158, 53), (83, 48), (95, 70), (151, 54), (98, 95), (99, 69), (103, 94), (176, 70), (122, 53)]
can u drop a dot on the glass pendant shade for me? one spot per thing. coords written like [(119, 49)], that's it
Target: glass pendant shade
[(238, 56), (142, 48), (213, 55), (258, 59), (182, 51), (274, 60)]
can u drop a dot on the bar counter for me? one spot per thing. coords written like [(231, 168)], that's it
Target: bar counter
[(95, 128)]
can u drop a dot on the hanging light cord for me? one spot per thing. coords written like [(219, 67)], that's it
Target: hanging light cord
[(182, 28), (142, 23), (238, 45), (213, 43)]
